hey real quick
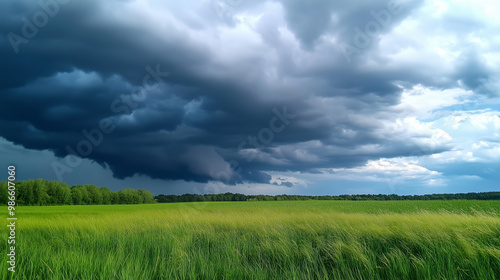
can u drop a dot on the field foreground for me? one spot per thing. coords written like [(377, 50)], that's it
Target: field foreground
[(259, 240)]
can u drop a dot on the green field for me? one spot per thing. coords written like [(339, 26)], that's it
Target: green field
[(259, 240)]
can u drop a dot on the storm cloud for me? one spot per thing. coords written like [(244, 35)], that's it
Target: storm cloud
[(240, 91)]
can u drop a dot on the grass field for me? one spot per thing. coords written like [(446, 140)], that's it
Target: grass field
[(259, 240)]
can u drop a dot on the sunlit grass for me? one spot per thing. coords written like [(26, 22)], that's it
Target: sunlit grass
[(260, 240)]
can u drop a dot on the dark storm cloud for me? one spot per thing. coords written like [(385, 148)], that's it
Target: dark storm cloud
[(309, 20), (474, 73), (83, 67)]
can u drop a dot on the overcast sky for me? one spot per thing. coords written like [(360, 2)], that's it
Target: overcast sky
[(272, 97)]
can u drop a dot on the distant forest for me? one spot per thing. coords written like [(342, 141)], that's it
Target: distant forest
[(43, 192), (241, 197)]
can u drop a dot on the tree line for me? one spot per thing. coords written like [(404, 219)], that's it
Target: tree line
[(43, 192), (242, 197)]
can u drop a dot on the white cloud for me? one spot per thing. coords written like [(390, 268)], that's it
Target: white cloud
[(282, 178), (422, 102), (392, 172)]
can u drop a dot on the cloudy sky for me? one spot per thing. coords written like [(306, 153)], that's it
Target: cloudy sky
[(283, 96)]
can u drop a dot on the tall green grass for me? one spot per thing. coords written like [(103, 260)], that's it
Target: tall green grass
[(259, 240)]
